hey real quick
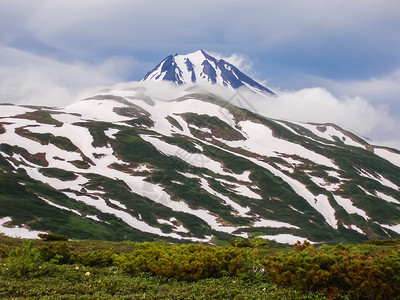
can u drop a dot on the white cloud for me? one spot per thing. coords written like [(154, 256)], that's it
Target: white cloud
[(29, 79), (241, 61), (318, 105), (355, 114), (381, 94)]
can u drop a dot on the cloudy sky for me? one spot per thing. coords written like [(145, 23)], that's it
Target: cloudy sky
[(334, 60)]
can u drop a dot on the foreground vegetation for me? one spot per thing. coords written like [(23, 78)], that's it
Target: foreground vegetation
[(242, 270)]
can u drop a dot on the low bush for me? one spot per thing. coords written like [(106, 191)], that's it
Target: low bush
[(58, 253), (99, 258), (354, 271), (52, 237), (365, 271), (4, 251), (184, 262), (23, 260)]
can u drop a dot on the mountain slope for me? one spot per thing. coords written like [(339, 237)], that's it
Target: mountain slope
[(200, 67), (122, 165)]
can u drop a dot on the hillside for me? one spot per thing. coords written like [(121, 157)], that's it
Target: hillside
[(125, 165)]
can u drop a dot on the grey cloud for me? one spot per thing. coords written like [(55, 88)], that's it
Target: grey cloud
[(265, 24)]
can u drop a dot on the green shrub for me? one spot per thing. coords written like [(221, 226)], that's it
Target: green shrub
[(184, 262), (252, 243), (23, 260), (356, 271), (239, 242), (364, 271), (52, 237), (57, 253), (99, 258), (4, 251), (383, 242)]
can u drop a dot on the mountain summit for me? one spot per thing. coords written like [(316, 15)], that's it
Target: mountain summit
[(200, 67)]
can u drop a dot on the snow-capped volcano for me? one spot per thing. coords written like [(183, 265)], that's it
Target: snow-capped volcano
[(200, 67), (125, 164)]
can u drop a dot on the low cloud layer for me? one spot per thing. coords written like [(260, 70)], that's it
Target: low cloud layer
[(318, 105), (314, 105), (29, 79)]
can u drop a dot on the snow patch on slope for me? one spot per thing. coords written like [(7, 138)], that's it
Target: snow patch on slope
[(260, 140), (387, 197), (11, 110), (395, 228), (195, 159), (382, 180), (328, 132), (348, 206), (18, 232), (390, 156), (285, 238)]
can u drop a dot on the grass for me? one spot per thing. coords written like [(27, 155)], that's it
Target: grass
[(37, 158), (40, 116), (218, 128), (97, 129), (174, 122), (58, 173), (46, 138), (2, 129)]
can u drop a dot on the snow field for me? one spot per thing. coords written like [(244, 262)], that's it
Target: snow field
[(382, 180), (390, 156), (163, 109), (260, 140), (242, 211), (111, 132), (61, 206), (239, 189), (332, 187), (395, 228), (355, 228), (97, 110), (102, 206), (18, 232), (12, 110), (195, 159), (82, 138), (179, 228), (387, 197), (348, 206), (274, 224), (285, 238), (330, 132), (320, 203)]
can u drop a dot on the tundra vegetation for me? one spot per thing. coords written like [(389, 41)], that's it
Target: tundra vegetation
[(55, 267)]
